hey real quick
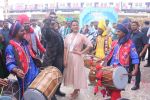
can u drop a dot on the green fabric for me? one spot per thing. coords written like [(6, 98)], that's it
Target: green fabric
[(69, 19), (1, 46)]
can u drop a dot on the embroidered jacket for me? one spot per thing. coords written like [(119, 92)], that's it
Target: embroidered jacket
[(125, 52)]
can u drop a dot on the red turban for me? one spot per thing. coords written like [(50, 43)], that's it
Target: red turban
[(23, 19)]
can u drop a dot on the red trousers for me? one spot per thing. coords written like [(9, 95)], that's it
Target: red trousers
[(115, 94)]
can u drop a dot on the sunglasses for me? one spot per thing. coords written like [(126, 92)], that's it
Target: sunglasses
[(53, 17)]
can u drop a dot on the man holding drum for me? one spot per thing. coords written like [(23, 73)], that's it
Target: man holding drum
[(19, 57), (122, 51)]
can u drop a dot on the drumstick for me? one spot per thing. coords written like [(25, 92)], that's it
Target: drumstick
[(128, 74)]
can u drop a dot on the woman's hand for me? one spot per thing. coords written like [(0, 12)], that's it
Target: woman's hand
[(77, 52), (65, 63)]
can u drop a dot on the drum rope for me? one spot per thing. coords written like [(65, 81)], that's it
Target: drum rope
[(106, 80), (56, 85), (57, 74), (108, 85), (2, 91)]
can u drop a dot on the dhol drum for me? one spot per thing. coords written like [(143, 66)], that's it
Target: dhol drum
[(44, 85), (114, 77), (90, 60)]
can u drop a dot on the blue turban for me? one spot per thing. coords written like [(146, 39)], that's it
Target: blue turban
[(126, 21), (122, 28), (15, 29)]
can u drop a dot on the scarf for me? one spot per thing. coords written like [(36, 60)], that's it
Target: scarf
[(124, 39), (22, 57)]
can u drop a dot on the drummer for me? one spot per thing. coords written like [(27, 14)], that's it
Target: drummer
[(19, 58), (122, 50)]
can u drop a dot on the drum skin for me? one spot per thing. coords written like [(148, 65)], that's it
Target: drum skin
[(45, 83), (114, 77)]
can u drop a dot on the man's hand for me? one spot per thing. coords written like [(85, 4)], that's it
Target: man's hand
[(20, 73), (144, 50), (3, 82), (141, 54), (134, 72)]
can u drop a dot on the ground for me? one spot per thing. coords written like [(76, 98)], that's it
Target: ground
[(141, 94)]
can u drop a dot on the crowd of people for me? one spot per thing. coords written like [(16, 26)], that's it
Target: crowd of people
[(24, 45)]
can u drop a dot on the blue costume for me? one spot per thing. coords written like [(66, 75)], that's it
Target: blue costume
[(133, 56), (11, 62), (18, 55)]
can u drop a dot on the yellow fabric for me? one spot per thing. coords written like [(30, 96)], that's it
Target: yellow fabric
[(100, 47), (109, 42), (100, 53), (102, 25)]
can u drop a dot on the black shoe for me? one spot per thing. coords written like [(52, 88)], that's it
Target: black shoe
[(147, 65), (54, 98), (123, 99), (135, 88), (107, 99), (60, 94), (129, 81), (122, 89)]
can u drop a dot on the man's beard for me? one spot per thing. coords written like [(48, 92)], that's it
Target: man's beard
[(21, 37), (27, 28)]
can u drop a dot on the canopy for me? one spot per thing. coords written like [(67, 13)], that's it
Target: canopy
[(95, 14)]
